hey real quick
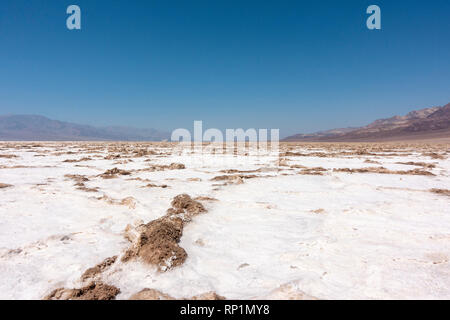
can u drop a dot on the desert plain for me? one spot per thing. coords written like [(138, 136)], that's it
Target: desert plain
[(121, 220)]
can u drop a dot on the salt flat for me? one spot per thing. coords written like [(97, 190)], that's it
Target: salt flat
[(325, 221)]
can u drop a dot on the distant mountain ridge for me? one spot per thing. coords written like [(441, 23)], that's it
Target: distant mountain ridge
[(431, 122), (40, 128), (425, 123)]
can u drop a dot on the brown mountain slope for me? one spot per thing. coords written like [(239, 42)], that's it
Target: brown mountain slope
[(429, 123)]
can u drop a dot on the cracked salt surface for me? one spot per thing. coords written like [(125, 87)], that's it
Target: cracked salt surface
[(340, 235)]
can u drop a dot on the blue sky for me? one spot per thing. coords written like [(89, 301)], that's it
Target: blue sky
[(300, 66)]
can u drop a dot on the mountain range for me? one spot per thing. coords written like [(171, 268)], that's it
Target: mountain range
[(39, 128), (428, 123)]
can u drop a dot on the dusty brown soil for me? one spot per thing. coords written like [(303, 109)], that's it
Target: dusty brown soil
[(372, 161), (144, 152), (418, 164), (81, 186), (77, 160), (356, 152), (235, 178), (76, 177), (152, 294), (129, 202), (434, 155), (157, 241), (207, 296), (158, 244), (176, 166), (444, 192), (183, 203), (152, 185), (98, 269), (159, 167), (112, 157), (318, 171), (93, 291), (113, 173), (5, 185), (194, 179), (203, 198), (232, 171), (297, 166), (382, 170)]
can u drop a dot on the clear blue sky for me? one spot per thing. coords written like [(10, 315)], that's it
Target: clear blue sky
[(300, 66)]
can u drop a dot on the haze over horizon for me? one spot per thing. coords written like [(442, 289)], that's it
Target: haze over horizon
[(298, 66)]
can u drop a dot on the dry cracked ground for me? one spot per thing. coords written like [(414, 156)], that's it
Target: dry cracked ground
[(158, 221)]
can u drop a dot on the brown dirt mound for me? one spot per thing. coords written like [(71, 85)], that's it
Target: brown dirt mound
[(129, 202), (153, 294), (434, 155), (444, 192), (80, 180), (157, 241), (5, 185), (77, 160), (76, 177), (112, 157), (235, 178), (81, 186), (207, 296), (112, 173), (94, 271), (372, 161), (158, 244), (299, 154), (419, 164), (183, 203), (297, 166), (152, 185), (93, 291), (318, 171), (138, 179), (231, 171), (382, 170), (176, 166), (144, 152), (133, 231), (123, 161), (159, 167), (204, 198)]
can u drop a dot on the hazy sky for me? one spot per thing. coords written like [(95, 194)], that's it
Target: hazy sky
[(300, 66)]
